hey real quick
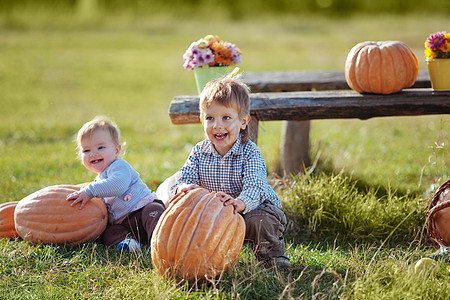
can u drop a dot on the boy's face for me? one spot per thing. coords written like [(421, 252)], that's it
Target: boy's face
[(222, 126), (98, 151)]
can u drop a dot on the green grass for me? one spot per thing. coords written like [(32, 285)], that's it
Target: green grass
[(355, 225), (332, 206)]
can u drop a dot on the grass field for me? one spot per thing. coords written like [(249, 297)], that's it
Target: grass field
[(355, 225)]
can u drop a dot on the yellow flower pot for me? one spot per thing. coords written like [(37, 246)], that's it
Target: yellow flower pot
[(439, 70), (205, 74)]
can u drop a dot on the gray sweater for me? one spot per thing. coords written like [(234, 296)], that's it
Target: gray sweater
[(120, 188)]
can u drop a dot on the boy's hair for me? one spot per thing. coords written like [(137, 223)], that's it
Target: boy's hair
[(228, 91), (99, 122)]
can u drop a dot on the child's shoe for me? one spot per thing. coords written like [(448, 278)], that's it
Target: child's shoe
[(129, 244)]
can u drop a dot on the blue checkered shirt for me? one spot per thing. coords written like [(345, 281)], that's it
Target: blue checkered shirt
[(241, 173)]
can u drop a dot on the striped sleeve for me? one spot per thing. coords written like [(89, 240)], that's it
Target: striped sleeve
[(114, 181)]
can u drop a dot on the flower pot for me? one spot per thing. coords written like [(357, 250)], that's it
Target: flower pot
[(439, 70), (205, 74)]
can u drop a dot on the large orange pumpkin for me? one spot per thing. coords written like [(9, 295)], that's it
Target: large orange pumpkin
[(7, 227), (197, 237), (46, 217), (381, 67)]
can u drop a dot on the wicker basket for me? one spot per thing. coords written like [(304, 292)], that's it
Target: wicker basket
[(438, 218)]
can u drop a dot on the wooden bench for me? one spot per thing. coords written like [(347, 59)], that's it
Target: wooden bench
[(300, 96)]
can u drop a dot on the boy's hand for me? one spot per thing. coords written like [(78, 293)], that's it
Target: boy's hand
[(187, 188), (184, 188), (238, 204), (80, 196)]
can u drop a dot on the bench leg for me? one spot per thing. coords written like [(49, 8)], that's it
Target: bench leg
[(295, 147), (253, 129)]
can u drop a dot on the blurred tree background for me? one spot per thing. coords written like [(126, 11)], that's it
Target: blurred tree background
[(232, 9)]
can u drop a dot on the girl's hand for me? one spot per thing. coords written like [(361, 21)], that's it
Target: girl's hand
[(80, 196), (238, 204)]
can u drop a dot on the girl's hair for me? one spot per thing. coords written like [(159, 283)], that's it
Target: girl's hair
[(228, 91), (99, 122)]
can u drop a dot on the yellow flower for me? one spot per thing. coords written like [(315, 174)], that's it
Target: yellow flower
[(211, 38), (446, 45), (430, 54)]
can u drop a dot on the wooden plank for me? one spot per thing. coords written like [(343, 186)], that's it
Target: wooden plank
[(347, 104), (299, 106), (185, 110), (290, 81)]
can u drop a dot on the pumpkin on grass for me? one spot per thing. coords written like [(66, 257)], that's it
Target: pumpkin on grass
[(197, 237), (7, 227), (46, 217), (381, 67)]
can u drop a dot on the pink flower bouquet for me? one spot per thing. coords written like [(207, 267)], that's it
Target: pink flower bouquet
[(211, 51)]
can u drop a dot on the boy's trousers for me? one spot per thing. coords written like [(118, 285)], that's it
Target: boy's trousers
[(265, 226)]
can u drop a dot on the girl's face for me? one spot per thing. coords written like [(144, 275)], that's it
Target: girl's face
[(222, 126), (98, 151)]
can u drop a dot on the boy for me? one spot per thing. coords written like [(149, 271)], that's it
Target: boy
[(231, 165)]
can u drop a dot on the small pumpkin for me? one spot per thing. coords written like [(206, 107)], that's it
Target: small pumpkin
[(46, 217), (381, 67), (7, 227), (197, 237)]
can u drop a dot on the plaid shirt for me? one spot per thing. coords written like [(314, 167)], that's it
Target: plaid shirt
[(241, 173)]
